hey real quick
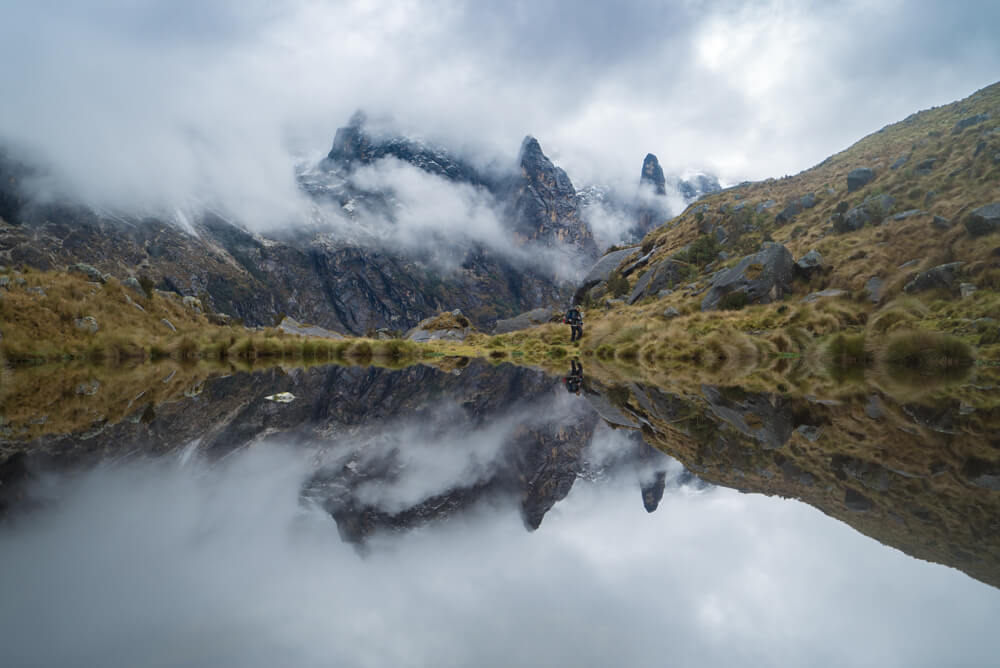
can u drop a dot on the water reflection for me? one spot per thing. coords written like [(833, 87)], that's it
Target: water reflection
[(435, 474)]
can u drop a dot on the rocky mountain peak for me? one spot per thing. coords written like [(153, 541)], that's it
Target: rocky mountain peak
[(544, 203), (652, 174)]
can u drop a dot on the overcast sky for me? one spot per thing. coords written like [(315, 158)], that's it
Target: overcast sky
[(154, 101)]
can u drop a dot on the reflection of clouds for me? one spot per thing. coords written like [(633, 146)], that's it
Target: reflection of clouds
[(178, 565)]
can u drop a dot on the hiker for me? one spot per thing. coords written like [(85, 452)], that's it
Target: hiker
[(574, 319), (575, 378)]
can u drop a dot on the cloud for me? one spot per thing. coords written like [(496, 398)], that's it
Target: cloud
[(183, 104), (170, 564)]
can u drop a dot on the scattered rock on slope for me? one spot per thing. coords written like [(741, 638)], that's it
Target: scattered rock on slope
[(983, 220), (531, 318), (858, 178), (762, 277), (942, 276)]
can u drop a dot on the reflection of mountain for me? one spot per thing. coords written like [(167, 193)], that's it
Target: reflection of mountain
[(433, 442), (914, 477)]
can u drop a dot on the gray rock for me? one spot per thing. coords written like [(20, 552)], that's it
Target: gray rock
[(132, 283), (5, 282), (900, 161), (293, 326), (89, 388), (664, 274), (221, 319), (523, 320), (638, 264), (421, 334), (607, 410), (909, 213), (873, 408), (873, 476), (941, 276), (926, 166), (666, 292), (984, 220), (941, 223), (87, 324), (671, 312), (873, 286), (762, 417), (193, 303), (969, 122), (982, 473), (791, 210), (822, 294), (856, 501), (763, 277), (601, 272), (169, 325), (37, 290), (809, 432), (764, 206), (808, 200), (809, 263), (858, 178), (873, 210), (92, 273), (967, 289)]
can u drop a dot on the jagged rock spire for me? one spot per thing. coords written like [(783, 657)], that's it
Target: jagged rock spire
[(652, 174)]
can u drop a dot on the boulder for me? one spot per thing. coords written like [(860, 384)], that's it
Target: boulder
[(671, 312), (193, 303), (809, 263), (858, 178), (982, 473), (523, 320), (942, 276), (601, 272), (873, 286), (293, 326), (856, 501), (941, 223), (87, 323), (762, 417), (822, 294), (443, 327), (763, 277), (925, 166), (983, 220), (91, 272), (169, 325), (909, 213), (808, 200), (764, 206), (969, 122), (791, 210), (663, 274), (132, 283), (900, 161), (967, 289), (873, 210)]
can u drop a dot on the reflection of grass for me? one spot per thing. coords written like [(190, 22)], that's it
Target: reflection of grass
[(928, 352)]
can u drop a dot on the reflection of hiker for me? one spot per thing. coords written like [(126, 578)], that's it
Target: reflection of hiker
[(574, 319), (575, 378)]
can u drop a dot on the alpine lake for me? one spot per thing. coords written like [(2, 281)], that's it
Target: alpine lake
[(477, 514)]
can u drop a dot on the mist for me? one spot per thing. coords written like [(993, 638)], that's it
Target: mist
[(156, 105), (164, 563)]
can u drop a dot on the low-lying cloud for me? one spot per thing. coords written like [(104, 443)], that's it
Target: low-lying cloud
[(161, 104)]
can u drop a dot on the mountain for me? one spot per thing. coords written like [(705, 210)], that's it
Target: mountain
[(650, 205), (340, 278)]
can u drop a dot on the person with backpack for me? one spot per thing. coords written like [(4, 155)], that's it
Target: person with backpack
[(574, 319)]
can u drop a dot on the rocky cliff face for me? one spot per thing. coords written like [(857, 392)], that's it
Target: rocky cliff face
[(652, 205), (542, 204)]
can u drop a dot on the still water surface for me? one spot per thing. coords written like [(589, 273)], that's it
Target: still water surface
[(486, 516)]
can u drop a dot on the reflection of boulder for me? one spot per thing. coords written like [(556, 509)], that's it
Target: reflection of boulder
[(762, 417)]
